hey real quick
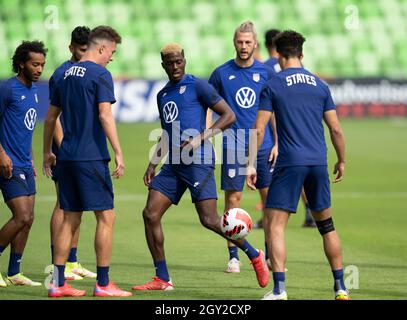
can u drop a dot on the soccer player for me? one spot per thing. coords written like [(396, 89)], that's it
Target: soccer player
[(18, 114), (239, 82), (182, 106), (84, 96), (300, 101), (272, 62), (73, 269)]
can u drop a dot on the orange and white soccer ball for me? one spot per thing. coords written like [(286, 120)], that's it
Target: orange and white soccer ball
[(236, 223)]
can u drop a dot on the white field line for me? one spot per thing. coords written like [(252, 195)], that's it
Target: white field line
[(141, 197)]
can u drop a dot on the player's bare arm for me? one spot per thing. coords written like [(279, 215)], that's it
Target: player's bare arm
[(58, 133), (274, 150), (160, 152), (109, 126), (49, 158), (262, 120), (338, 141), (6, 164)]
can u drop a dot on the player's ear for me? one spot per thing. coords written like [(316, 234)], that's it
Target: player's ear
[(301, 56), (71, 48)]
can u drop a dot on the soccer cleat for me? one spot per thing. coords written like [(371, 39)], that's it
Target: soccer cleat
[(258, 224), (69, 275), (77, 269), (3, 283), (20, 279), (156, 284), (261, 269), (65, 291), (342, 295), (272, 296), (111, 290), (233, 266)]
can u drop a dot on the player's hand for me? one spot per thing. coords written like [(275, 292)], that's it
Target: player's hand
[(339, 170), (119, 170), (273, 155), (49, 160), (251, 177), (6, 165), (149, 175)]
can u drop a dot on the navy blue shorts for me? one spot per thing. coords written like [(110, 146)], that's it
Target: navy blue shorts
[(22, 183), (85, 186), (54, 170), (173, 179), (285, 188), (233, 175)]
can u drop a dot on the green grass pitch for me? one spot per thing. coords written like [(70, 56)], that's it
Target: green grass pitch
[(369, 209)]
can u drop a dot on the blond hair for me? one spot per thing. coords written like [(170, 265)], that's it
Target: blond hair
[(171, 48), (246, 27)]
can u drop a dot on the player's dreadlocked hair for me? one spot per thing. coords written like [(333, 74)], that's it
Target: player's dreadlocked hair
[(246, 26), (80, 35), (105, 33), (21, 55), (289, 44)]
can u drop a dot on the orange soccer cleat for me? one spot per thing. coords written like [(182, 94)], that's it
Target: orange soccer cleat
[(111, 290), (261, 269), (65, 291), (156, 284)]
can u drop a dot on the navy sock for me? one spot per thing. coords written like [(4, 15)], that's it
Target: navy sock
[(266, 252), (14, 264), (249, 250), (102, 276), (233, 253), (52, 253), (2, 249), (308, 215), (72, 255), (161, 270), (279, 282), (339, 283), (59, 275)]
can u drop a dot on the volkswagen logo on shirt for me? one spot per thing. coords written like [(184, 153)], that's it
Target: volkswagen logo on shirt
[(170, 111), (30, 119), (245, 97)]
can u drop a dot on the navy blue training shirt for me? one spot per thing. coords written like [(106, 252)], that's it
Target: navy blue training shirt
[(241, 87), (299, 100), (78, 94), (272, 62), (18, 115), (182, 107)]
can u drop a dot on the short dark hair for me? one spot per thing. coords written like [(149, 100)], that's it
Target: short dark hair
[(269, 36), (106, 33), (289, 44), (21, 55), (80, 35)]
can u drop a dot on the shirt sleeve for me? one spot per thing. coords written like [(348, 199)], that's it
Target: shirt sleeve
[(5, 97), (159, 111), (214, 80), (207, 94), (266, 99), (329, 103), (55, 97), (51, 86), (105, 88)]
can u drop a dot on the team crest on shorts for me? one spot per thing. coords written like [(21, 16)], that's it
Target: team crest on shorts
[(256, 77), (182, 89), (22, 176), (232, 173)]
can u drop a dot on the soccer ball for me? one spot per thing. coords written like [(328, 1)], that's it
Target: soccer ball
[(236, 223)]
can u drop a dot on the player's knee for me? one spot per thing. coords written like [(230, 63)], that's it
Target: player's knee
[(209, 222), (233, 199), (149, 216), (325, 226), (25, 220)]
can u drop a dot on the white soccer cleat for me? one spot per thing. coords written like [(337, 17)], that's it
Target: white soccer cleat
[(342, 295), (77, 269), (3, 283), (21, 280), (272, 296), (233, 266), (69, 275)]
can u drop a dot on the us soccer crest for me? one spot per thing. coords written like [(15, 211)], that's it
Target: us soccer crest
[(182, 89), (256, 77), (232, 173)]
